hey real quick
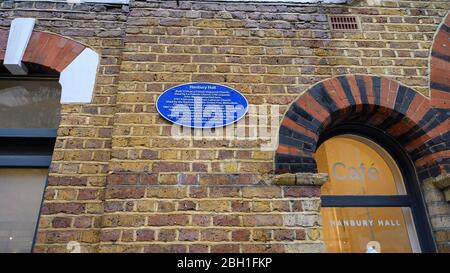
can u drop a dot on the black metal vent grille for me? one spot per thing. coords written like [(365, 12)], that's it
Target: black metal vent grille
[(344, 22)]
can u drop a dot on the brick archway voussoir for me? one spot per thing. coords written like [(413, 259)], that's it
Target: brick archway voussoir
[(385, 103), (52, 50), (440, 66)]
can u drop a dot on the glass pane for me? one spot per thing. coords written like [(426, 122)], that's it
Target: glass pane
[(29, 103), (360, 230), (21, 192), (358, 166)]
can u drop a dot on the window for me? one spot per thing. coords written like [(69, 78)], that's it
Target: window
[(29, 116), (29, 103), (367, 206)]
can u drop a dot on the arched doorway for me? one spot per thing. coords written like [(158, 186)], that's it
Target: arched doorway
[(371, 201), (392, 117)]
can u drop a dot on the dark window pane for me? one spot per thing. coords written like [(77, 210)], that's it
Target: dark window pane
[(29, 103)]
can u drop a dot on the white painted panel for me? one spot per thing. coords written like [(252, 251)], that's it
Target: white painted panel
[(78, 79), (19, 36)]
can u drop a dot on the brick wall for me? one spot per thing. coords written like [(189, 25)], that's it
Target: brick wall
[(120, 182), (73, 206)]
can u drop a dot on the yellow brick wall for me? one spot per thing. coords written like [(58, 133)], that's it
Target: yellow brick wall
[(120, 182)]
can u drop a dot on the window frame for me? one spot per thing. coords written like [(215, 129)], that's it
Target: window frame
[(413, 198), (39, 141), (25, 137), (31, 138)]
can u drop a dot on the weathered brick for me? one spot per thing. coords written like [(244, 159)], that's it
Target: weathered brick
[(125, 193), (188, 235), (262, 220), (261, 192), (186, 205), (165, 248), (214, 205), (61, 222), (303, 191), (284, 235), (241, 235), (215, 235), (112, 235), (117, 168), (226, 220), (170, 167), (123, 220), (68, 208), (166, 192), (225, 248), (262, 235), (263, 248), (167, 235), (168, 220), (146, 205)]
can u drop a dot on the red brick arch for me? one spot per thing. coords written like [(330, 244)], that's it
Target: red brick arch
[(47, 49), (380, 102)]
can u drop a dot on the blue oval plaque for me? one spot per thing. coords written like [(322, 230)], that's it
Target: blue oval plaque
[(202, 105)]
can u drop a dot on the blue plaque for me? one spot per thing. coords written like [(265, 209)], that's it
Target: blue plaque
[(202, 105)]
